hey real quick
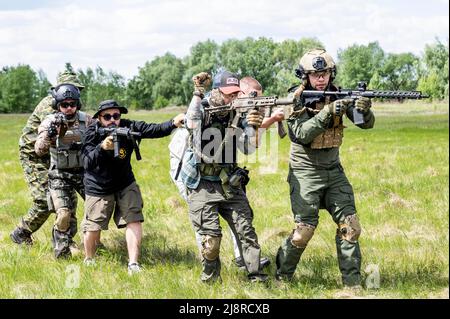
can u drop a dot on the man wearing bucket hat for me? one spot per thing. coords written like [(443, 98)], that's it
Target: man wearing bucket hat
[(110, 185), (36, 168), (213, 180)]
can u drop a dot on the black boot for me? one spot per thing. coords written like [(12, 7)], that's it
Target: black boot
[(21, 235), (61, 243)]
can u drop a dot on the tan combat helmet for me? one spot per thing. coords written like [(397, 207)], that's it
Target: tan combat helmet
[(315, 60), (68, 77)]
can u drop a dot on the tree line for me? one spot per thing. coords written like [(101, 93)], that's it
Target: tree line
[(166, 80)]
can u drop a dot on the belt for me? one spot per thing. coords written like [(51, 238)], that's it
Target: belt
[(214, 169)]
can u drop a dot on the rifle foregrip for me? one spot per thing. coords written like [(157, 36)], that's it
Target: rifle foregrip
[(116, 145)]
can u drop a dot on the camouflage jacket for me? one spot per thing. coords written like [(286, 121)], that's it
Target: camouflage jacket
[(30, 131)]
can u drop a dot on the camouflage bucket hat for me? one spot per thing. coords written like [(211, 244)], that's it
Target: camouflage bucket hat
[(69, 78)]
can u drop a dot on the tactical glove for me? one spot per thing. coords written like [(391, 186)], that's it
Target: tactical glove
[(255, 118), (201, 83), (52, 131), (338, 107), (363, 104)]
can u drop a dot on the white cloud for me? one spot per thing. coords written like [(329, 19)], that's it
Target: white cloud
[(122, 35)]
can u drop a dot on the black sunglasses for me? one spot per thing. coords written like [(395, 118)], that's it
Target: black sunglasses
[(65, 105), (108, 116)]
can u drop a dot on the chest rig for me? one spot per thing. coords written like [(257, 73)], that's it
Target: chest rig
[(333, 135), (66, 153)]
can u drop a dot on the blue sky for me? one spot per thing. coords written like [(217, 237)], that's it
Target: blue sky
[(121, 35)]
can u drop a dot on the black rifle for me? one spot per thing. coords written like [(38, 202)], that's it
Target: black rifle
[(126, 132), (60, 120), (310, 97)]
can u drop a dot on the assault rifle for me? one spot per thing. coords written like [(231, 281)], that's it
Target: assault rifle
[(126, 132), (310, 97), (242, 106), (60, 121)]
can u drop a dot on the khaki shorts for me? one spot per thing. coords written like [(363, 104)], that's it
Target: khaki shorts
[(125, 204)]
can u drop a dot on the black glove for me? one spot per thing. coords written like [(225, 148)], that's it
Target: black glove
[(52, 131)]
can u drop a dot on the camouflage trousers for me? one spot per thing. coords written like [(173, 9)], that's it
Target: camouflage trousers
[(206, 204), (36, 175), (63, 188), (311, 190)]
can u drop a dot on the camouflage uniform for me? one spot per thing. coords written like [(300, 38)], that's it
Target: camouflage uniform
[(317, 181), (65, 176), (36, 168)]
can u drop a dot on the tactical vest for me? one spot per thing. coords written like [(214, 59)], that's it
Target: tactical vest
[(332, 137), (66, 153)]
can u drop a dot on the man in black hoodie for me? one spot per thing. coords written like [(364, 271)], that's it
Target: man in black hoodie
[(109, 181)]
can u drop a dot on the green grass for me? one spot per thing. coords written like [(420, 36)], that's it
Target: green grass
[(399, 171)]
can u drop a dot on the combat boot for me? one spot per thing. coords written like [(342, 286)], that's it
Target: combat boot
[(61, 244), (21, 235), (258, 277)]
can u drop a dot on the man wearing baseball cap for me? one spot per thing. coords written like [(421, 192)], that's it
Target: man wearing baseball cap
[(36, 168), (109, 182), (213, 180)]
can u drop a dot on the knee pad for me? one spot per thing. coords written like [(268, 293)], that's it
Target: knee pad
[(62, 222), (302, 235), (350, 229), (210, 247)]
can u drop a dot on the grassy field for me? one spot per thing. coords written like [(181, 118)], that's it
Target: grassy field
[(400, 174)]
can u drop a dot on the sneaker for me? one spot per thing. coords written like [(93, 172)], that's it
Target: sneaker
[(21, 235), (89, 261), (134, 268), (258, 277)]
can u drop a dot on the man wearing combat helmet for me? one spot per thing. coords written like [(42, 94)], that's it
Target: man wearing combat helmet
[(316, 177), (60, 135), (36, 167)]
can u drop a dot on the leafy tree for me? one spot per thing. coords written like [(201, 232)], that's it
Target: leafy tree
[(101, 85), (397, 72), (20, 89), (287, 55), (358, 63), (43, 84), (251, 57), (434, 80), (203, 57), (160, 78)]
